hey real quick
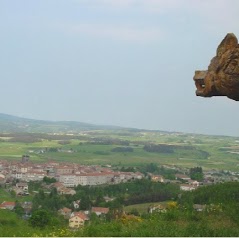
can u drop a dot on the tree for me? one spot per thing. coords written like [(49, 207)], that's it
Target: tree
[(40, 218), (85, 203), (196, 173), (48, 180), (135, 212), (19, 209)]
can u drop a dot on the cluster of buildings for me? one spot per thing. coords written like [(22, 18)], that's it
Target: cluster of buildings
[(75, 219), (68, 174)]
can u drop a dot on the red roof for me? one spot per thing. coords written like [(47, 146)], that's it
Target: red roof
[(100, 209), (8, 204), (65, 209), (81, 215)]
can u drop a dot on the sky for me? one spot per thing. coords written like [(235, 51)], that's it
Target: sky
[(127, 63)]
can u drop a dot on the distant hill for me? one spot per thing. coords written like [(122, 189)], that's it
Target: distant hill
[(9, 123)]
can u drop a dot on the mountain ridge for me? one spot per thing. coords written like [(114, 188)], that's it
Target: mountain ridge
[(10, 123)]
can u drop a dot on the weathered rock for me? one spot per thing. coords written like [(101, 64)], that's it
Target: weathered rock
[(222, 76)]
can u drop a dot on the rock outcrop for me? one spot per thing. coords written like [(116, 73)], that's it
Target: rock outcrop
[(222, 76)]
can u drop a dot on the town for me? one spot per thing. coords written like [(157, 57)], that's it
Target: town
[(15, 177)]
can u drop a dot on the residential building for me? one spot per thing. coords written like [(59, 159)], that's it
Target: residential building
[(187, 187), (100, 210), (77, 219), (66, 212), (7, 205)]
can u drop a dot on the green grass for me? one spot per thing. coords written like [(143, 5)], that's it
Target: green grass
[(141, 208), (5, 195), (101, 154)]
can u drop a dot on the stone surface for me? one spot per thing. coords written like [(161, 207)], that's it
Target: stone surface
[(222, 76)]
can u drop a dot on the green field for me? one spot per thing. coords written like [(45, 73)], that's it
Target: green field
[(141, 208), (5, 195), (95, 147)]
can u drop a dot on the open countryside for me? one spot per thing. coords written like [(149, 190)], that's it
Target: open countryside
[(117, 182)]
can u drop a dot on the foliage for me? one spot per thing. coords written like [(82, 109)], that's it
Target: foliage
[(220, 219), (18, 209), (225, 193), (49, 180), (40, 218), (196, 173), (122, 149), (88, 153), (159, 148), (127, 169), (51, 201), (34, 185), (64, 142), (52, 149), (134, 192)]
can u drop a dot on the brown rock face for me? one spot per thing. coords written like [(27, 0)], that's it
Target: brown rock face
[(222, 76)]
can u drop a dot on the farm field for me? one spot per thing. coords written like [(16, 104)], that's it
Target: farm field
[(98, 147)]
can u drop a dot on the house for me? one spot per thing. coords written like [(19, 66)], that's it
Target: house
[(77, 219), (64, 170), (194, 183), (32, 175), (7, 205), (108, 199), (157, 178), (22, 186), (96, 178), (58, 185), (187, 187), (65, 190), (66, 212), (138, 175), (182, 177), (100, 210)]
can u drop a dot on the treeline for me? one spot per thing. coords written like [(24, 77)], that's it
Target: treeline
[(164, 148), (182, 150), (122, 149), (138, 191), (224, 193), (157, 192), (156, 169), (107, 141)]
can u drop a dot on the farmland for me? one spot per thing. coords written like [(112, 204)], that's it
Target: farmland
[(111, 147)]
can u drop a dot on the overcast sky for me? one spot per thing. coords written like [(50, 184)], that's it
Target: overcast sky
[(115, 62)]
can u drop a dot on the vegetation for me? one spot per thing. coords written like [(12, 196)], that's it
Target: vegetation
[(150, 152), (196, 173), (220, 218), (112, 146)]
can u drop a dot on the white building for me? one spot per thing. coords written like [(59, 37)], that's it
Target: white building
[(68, 180)]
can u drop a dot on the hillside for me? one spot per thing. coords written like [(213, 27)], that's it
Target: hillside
[(9, 124)]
